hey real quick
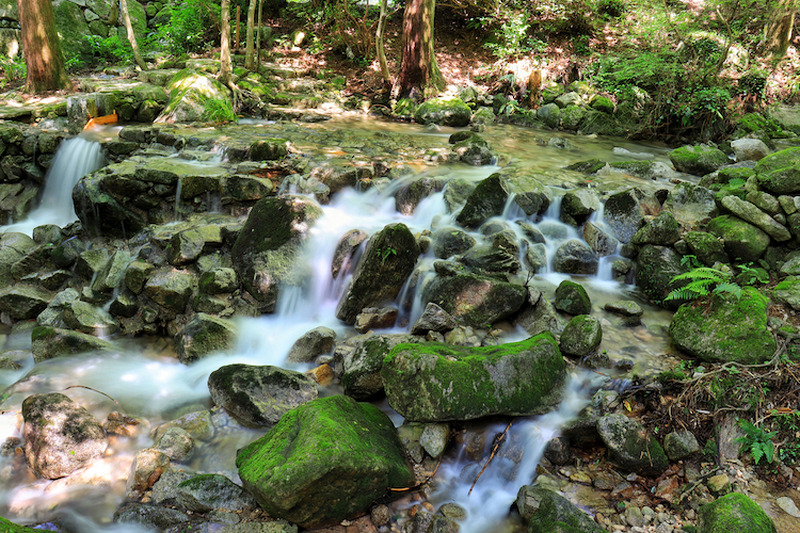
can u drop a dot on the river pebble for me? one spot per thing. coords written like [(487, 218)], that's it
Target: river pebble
[(788, 505)]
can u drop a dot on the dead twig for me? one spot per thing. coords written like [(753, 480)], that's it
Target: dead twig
[(495, 448)]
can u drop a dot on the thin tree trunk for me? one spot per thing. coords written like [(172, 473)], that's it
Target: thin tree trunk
[(40, 45), (238, 26), (258, 38), (379, 48), (419, 72), (225, 68), (250, 56), (137, 55)]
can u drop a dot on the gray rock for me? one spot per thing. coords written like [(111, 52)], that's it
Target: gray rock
[(433, 318), (601, 242), (581, 336), (749, 212), (176, 443), (49, 342), (312, 344), (146, 468), (213, 492), (60, 436), (346, 251), (624, 213), (476, 300), (578, 205), (22, 302), (630, 446), (750, 149), (661, 231), (89, 319), (680, 445), (575, 257), (375, 318), (450, 241), (257, 396), (361, 367), (170, 288), (691, 205), (203, 335), (487, 200), (151, 516)]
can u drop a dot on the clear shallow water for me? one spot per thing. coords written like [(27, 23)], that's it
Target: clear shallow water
[(149, 383)]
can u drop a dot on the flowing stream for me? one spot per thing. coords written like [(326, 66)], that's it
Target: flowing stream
[(148, 383)]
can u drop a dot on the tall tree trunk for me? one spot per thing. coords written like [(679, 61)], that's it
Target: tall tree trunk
[(225, 67), (238, 26), (137, 55), (379, 48), (778, 30), (43, 59), (250, 56), (419, 72)]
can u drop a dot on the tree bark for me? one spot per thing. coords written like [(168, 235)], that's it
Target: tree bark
[(778, 30), (225, 67), (379, 48), (137, 55), (419, 72), (258, 34), (250, 56), (40, 45)]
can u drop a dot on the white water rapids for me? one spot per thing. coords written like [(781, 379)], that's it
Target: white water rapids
[(147, 384)]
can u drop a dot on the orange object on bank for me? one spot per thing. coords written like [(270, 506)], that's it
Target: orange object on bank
[(99, 121)]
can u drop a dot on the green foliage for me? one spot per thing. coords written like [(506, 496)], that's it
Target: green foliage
[(218, 111), (13, 68), (612, 8), (757, 442), (788, 424), (750, 275), (682, 372), (510, 39), (192, 27), (703, 281), (109, 49), (384, 253)]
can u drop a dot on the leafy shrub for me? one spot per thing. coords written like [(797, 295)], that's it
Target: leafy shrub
[(757, 442), (112, 49), (192, 27), (14, 68)]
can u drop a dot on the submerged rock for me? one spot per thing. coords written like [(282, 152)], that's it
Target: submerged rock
[(325, 461), (439, 382), (60, 436), (725, 329), (258, 396)]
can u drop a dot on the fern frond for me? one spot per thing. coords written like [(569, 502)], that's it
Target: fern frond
[(706, 273), (681, 294), (730, 288)]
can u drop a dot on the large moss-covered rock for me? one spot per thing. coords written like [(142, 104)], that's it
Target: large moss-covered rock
[(698, 160), (742, 240), (438, 382), (549, 512), (655, 268), (487, 200), (266, 249), (662, 230), (325, 461), (708, 248), (725, 329), (630, 446), (788, 292), (10, 527), (733, 512), (388, 260), (477, 300), (444, 111), (60, 436), (578, 205), (195, 96), (258, 396), (779, 173)]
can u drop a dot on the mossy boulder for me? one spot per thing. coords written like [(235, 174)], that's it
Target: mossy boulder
[(733, 512), (788, 292), (575, 257), (387, 262), (725, 329), (572, 298), (213, 492), (742, 241), (10, 527), (690, 204), (443, 111), (266, 249), (258, 396), (170, 288), (476, 300), (194, 96), (432, 382), (361, 368), (630, 446), (325, 461), (708, 248), (698, 160), (663, 230), (581, 336), (487, 200), (779, 173)]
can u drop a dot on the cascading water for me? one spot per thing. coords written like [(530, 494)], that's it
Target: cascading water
[(156, 387), (74, 159)]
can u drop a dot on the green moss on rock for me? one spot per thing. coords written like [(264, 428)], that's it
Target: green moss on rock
[(725, 329), (734, 512), (439, 382)]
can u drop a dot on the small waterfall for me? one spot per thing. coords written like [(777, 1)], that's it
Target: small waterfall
[(496, 489), (74, 159)]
